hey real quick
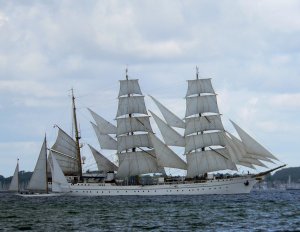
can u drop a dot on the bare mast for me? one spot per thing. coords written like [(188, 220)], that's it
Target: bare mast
[(77, 136)]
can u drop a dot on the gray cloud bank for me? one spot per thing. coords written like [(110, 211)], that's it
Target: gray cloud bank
[(249, 48)]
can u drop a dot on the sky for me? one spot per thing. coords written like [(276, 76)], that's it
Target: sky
[(250, 49)]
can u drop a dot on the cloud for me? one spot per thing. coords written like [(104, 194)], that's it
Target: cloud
[(26, 87), (286, 101), (3, 19), (250, 49)]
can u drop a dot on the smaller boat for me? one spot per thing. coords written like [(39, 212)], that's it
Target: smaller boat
[(38, 184), (14, 184), (292, 186)]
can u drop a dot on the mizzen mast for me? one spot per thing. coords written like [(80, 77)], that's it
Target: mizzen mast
[(77, 136)]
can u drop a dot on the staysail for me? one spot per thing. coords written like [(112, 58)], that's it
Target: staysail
[(38, 180), (171, 136), (103, 163), (251, 145), (104, 126), (14, 184), (171, 118), (105, 140), (59, 181), (165, 156)]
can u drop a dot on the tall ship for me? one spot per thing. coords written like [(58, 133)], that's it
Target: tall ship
[(143, 157)]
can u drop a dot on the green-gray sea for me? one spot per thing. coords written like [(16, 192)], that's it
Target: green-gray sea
[(258, 211)]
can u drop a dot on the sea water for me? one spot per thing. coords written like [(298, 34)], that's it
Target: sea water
[(258, 211)]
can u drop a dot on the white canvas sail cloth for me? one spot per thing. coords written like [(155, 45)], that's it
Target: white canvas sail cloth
[(199, 86), (165, 156), (170, 136), (65, 152), (131, 105), (201, 104), (237, 148), (210, 122), (38, 180), (171, 118), (205, 147), (201, 162), (105, 140), (137, 163), (135, 151), (59, 181), (252, 146), (133, 124), (104, 126), (14, 184), (130, 86), (103, 163)]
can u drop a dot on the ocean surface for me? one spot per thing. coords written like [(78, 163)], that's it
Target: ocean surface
[(258, 211)]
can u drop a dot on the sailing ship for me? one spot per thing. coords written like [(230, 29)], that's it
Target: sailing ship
[(208, 148)]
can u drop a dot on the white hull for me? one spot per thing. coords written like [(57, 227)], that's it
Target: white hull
[(40, 194), (237, 185)]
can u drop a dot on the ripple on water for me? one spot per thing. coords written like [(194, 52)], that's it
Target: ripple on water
[(259, 211)]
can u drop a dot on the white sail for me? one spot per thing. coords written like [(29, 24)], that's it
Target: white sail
[(194, 142), (201, 104), (132, 141), (38, 180), (199, 86), (239, 155), (105, 140), (133, 124), (165, 156), (59, 181), (172, 119), (236, 154), (14, 184), (200, 124), (244, 156), (129, 87), (261, 158), (131, 105), (252, 146), (104, 126), (171, 137), (65, 152), (208, 161), (103, 163), (137, 163)]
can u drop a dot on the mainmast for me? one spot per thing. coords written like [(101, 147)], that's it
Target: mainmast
[(77, 136)]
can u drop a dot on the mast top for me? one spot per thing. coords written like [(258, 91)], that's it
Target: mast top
[(72, 91), (197, 72), (126, 72)]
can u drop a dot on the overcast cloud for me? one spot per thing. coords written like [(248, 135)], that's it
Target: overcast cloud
[(250, 49)]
